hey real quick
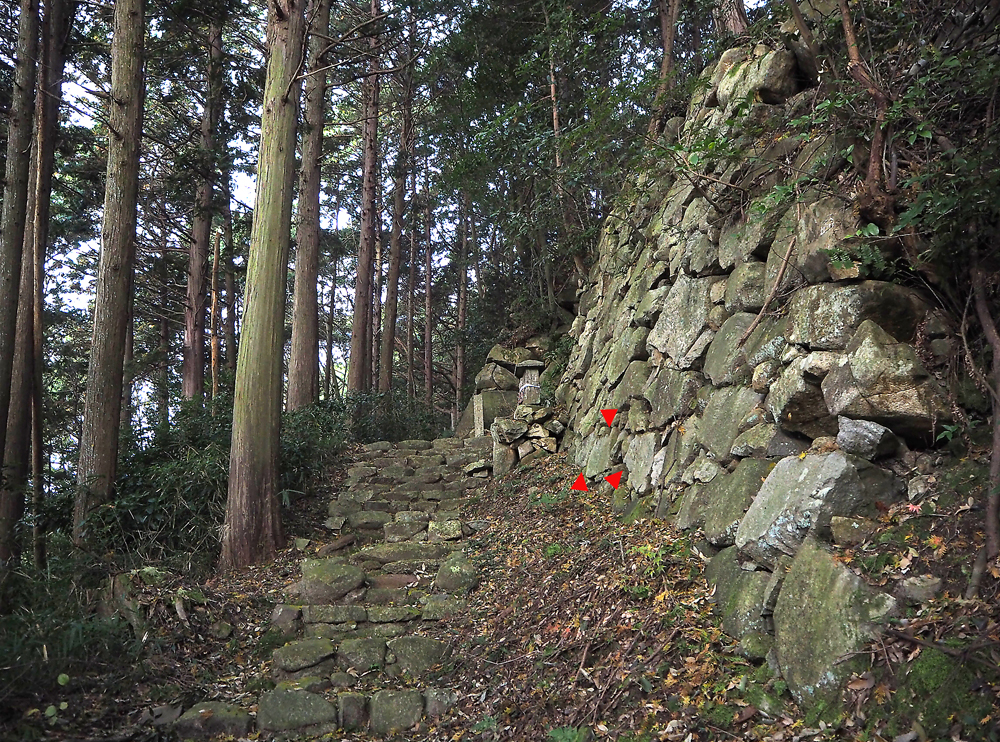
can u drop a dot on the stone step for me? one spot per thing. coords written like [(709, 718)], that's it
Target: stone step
[(321, 706), (401, 656)]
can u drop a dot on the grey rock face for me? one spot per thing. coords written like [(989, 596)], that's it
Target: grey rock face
[(724, 418), (823, 614), (725, 362), (800, 496), (682, 322), (826, 316), (729, 496), (883, 381)]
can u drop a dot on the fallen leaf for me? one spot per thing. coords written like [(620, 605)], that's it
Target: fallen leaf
[(745, 715)]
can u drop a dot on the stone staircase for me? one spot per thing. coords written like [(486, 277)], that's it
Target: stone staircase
[(356, 657)]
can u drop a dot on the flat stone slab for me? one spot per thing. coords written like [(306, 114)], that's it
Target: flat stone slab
[(333, 613), (392, 613), (370, 519), (406, 551), (286, 709)]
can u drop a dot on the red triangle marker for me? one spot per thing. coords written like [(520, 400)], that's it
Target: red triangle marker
[(580, 484), (614, 480), (609, 415)]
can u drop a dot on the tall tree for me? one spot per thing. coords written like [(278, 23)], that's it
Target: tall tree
[(15, 195), (55, 35), (359, 370), (252, 530), (303, 365), (400, 178), (112, 307), (193, 372)]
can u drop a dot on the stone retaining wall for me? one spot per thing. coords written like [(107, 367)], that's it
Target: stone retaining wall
[(765, 429)]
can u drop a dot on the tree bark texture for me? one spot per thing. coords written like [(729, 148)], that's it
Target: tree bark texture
[(411, 384), (400, 179), (193, 371), (428, 304), (463, 302), (15, 193), (230, 323), (993, 338), (668, 11), (732, 16), (252, 530), (303, 365), (359, 369), (112, 307), (55, 35)]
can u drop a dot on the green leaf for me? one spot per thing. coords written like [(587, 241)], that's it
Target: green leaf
[(63, 678)]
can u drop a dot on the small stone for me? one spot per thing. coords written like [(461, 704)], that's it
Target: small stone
[(302, 654), (334, 546), (332, 614), (449, 530), (851, 531), (457, 574), (438, 607), (343, 680), (286, 618), (439, 701), (392, 613), (361, 654), (920, 589), (415, 655)]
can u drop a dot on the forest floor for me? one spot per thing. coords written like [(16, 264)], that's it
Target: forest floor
[(583, 627)]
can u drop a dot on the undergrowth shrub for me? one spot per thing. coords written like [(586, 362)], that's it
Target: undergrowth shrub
[(54, 630)]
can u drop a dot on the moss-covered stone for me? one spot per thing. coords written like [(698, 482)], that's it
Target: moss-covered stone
[(824, 613), (210, 719)]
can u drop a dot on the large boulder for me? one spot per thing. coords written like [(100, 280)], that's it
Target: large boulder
[(823, 616), (801, 495), (882, 380), (826, 316), (681, 331)]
